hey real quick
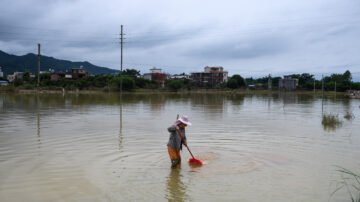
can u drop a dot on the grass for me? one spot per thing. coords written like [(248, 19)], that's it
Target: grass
[(330, 121), (350, 182)]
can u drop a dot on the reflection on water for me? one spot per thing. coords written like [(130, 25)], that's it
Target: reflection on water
[(175, 188), (121, 124), (111, 147), (38, 118)]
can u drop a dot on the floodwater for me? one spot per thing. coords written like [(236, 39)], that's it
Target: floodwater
[(262, 147)]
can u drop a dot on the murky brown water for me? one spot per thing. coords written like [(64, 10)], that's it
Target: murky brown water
[(256, 147)]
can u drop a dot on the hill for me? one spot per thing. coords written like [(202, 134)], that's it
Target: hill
[(12, 63)]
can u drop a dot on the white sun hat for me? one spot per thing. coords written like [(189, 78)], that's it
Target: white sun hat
[(184, 119)]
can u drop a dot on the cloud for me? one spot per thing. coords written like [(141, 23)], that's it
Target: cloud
[(233, 48), (246, 37)]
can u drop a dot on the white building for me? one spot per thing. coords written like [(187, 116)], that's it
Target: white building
[(12, 77), (1, 73), (155, 70)]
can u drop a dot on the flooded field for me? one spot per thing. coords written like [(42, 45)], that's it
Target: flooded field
[(267, 147)]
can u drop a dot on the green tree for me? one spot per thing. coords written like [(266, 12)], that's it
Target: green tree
[(130, 72), (18, 82), (26, 77), (232, 83), (141, 82), (128, 83), (347, 76), (240, 80), (174, 84)]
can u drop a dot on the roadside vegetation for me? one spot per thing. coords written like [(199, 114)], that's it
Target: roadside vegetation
[(131, 81)]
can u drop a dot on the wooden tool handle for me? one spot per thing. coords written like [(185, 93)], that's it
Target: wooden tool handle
[(184, 142)]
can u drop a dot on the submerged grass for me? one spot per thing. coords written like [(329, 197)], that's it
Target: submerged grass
[(350, 182), (330, 121)]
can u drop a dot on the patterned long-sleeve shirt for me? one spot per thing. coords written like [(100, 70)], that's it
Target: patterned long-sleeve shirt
[(174, 138)]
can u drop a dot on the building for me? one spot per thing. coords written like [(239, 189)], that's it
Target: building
[(15, 75), (76, 73), (156, 75), (1, 73), (288, 83), (47, 71), (58, 75), (212, 75), (182, 76)]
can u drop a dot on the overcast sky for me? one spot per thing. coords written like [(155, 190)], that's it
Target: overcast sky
[(251, 38)]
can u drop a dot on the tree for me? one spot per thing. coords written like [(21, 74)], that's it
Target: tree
[(130, 72), (26, 77), (174, 84), (347, 76), (304, 79), (128, 83), (240, 80), (18, 82), (232, 83), (141, 82)]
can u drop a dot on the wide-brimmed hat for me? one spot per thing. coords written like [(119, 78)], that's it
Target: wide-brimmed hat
[(184, 119)]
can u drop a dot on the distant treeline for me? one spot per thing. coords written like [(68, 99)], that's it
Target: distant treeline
[(343, 82), (131, 81)]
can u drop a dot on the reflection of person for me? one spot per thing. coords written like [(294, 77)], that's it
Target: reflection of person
[(175, 142), (176, 189)]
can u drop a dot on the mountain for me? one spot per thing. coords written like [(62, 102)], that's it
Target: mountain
[(12, 63)]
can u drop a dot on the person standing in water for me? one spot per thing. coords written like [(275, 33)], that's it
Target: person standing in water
[(175, 143)]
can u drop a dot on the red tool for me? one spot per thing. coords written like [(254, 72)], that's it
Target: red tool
[(193, 159)]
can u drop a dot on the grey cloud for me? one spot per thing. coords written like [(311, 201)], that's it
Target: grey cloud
[(241, 49), (179, 34)]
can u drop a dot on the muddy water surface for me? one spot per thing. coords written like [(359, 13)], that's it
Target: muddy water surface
[(269, 147)]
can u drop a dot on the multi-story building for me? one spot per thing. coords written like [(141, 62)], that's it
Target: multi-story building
[(76, 73), (16, 75), (155, 75), (212, 75), (288, 83)]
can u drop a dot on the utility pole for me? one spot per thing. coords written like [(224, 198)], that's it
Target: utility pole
[(322, 86), (38, 81), (335, 87), (322, 95), (121, 56)]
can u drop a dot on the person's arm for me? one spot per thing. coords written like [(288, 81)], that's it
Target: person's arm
[(184, 136), (172, 129)]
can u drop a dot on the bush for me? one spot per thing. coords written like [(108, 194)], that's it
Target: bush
[(18, 82), (174, 84), (128, 83), (153, 85), (232, 83), (356, 86), (141, 82), (28, 86), (240, 81)]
